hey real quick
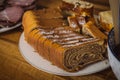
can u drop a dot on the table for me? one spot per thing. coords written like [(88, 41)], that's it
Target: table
[(14, 67)]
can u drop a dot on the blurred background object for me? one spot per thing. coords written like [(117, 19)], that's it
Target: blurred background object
[(102, 2), (11, 11), (99, 5), (2, 4)]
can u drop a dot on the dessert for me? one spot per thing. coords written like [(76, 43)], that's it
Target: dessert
[(53, 38), (78, 13), (106, 20), (90, 29), (73, 23)]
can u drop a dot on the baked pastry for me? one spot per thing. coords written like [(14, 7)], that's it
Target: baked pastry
[(106, 20), (78, 22), (58, 43), (73, 23), (90, 29), (78, 13)]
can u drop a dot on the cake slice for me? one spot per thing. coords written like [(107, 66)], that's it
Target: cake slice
[(90, 29), (73, 23), (77, 23), (106, 20), (59, 44)]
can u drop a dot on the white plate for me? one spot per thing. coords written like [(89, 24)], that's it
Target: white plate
[(4, 29), (40, 63)]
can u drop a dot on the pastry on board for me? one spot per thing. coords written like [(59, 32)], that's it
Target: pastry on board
[(53, 38)]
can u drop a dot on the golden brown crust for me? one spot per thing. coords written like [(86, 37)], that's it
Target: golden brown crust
[(106, 20), (28, 21), (73, 23), (90, 29)]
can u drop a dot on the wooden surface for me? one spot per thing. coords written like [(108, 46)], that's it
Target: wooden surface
[(14, 67)]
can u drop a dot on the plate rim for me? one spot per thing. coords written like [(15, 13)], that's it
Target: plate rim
[(4, 29), (61, 74)]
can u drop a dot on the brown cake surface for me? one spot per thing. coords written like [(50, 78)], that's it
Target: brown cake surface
[(54, 40)]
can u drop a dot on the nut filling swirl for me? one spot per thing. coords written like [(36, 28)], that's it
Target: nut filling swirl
[(76, 58)]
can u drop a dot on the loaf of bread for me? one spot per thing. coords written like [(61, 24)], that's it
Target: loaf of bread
[(106, 20), (55, 41)]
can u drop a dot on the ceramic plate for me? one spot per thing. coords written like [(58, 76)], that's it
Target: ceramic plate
[(32, 57), (4, 29)]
